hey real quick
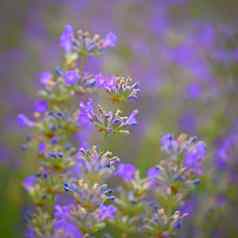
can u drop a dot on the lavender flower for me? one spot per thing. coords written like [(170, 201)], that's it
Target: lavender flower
[(66, 39), (86, 110), (65, 229), (29, 183), (153, 172), (30, 233), (41, 106), (110, 40), (84, 43), (24, 121), (126, 172), (168, 144), (42, 148), (45, 78), (107, 212), (106, 122), (119, 88), (103, 163), (62, 212), (194, 157), (106, 82), (153, 176), (71, 77), (131, 120)]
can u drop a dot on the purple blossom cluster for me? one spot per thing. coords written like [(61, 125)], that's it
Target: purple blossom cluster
[(107, 121), (88, 192), (85, 43)]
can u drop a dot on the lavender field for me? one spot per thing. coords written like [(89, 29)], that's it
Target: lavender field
[(119, 119)]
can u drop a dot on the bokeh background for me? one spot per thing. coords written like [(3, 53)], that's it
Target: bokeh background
[(184, 54)]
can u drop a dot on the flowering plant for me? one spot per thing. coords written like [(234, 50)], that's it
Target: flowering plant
[(85, 191)]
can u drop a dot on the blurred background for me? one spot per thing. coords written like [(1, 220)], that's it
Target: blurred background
[(184, 54)]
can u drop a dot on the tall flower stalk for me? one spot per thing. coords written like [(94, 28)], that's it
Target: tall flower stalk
[(85, 191)]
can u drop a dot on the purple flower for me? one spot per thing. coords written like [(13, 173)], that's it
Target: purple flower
[(201, 149), (107, 82), (84, 116), (24, 121), (63, 223), (153, 172), (188, 207), (126, 172), (110, 40), (68, 229), (107, 212), (168, 144), (45, 78), (100, 80), (29, 182), (62, 212), (86, 110), (41, 106), (177, 225), (66, 38), (30, 233), (41, 148), (71, 77), (131, 120), (152, 175), (194, 157), (54, 140)]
